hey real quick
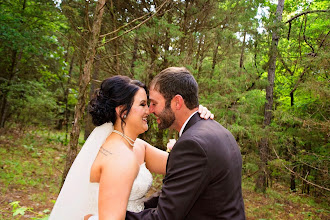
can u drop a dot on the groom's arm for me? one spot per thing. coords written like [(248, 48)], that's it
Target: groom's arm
[(152, 201), (183, 183)]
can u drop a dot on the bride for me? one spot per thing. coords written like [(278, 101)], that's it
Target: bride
[(111, 173)]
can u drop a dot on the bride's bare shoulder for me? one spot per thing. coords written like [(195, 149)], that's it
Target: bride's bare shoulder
[(114, 157), (117, 150)]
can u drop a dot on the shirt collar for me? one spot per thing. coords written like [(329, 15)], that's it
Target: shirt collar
[(185, 123)]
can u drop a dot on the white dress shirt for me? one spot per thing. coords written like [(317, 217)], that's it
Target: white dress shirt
[(185, 123)]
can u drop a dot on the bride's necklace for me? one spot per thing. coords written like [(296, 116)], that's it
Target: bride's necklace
[(128, 139)]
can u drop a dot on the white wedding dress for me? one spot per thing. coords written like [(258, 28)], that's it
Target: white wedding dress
[(141, 186), (79, 197)]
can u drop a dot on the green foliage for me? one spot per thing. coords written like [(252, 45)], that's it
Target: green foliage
[(21, 210), (33, 60), (279, 203), (15, 167), (44, 171), (17, 209), (42, 49)]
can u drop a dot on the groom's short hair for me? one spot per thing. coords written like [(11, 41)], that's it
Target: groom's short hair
[(174, 81)]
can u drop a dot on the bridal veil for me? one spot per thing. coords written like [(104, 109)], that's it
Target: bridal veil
[(72, 202)]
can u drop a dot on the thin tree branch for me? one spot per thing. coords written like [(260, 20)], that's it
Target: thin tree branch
[(315, 168), (114, 55), (252, 174), (285, 65), (289, 31), (305, 39), (304, 13), (303, 179), (248, 89), (86, 16), (137, 26), (98, 81), (299, 81), (118, 29), (324, 39)]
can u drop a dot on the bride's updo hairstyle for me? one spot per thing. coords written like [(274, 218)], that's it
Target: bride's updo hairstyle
[(114, 91)]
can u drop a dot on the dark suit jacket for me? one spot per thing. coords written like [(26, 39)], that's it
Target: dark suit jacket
[(203, 176)]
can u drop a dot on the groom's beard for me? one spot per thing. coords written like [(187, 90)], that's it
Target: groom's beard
[(166, 118)]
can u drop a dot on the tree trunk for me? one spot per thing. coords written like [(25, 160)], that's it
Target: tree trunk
[(116, 42), (241, 60), (88, 119), (184, 27), (66, 100), (214, 63), (294, 169), (134, 55), (294, 152), (83, 87), (11, 71), (4, 100), (200, 56), (214, 58), (167, 44), (261, 182)]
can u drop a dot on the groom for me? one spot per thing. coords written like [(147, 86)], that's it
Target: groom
[(203, 173)]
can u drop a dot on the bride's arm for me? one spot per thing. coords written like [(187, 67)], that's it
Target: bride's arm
[(116, 181), (155, 158)]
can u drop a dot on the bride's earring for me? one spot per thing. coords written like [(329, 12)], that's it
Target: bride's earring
[(125, 116)]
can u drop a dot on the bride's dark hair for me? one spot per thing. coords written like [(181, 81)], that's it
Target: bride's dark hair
[(114, 91)]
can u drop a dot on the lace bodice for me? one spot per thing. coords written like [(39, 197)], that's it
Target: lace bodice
[(141, 186)]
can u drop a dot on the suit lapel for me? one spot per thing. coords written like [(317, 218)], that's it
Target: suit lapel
[(195, 118)]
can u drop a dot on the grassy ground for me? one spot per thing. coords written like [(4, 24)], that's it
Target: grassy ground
[(31, 165)]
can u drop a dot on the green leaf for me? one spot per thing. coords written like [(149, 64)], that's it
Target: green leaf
[(14, 204), (20, 211)]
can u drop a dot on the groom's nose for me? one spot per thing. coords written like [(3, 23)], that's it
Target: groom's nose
[(151, 109)]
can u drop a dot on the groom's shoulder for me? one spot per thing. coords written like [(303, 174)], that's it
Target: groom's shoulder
[(207, 131), (202, 129), (207, 126)]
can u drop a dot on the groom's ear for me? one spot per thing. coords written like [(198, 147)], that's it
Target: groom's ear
[(177, 102)]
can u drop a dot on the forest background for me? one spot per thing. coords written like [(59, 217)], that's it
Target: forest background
[(262, 69)]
